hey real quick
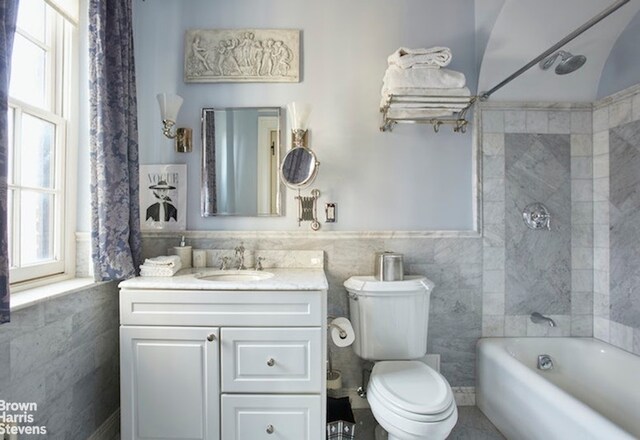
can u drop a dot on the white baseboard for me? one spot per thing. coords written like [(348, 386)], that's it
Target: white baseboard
[(109, 429)]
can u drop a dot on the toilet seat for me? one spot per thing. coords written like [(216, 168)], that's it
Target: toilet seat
[(411, 400), (412, 389)]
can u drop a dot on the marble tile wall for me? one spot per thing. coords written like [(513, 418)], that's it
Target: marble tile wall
[(454, 264), (541, 153), (63, 355), (616, 177)]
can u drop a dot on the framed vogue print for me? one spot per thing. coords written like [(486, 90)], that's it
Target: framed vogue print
[(163, 197)]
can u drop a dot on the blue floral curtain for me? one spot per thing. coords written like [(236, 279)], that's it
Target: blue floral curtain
[(115, 215), (8, 15)]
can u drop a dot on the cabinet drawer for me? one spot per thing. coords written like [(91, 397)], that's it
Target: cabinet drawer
[(218, 308), (255, 417), (271, 360)]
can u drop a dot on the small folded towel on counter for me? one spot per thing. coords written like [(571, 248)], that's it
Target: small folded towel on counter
[(406, 58), (422, 77), (164, 266)]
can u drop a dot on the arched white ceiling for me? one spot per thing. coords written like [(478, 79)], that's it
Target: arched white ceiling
[(526, 28)]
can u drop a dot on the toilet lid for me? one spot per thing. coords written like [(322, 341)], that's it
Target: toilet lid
[(411, 386)]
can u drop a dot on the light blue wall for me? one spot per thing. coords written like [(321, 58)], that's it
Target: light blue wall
[(622, 69), (408, 179)]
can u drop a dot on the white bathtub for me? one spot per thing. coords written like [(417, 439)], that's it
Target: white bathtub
[(592, 392)]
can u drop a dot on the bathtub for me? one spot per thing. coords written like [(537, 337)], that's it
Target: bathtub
[(592, 392)]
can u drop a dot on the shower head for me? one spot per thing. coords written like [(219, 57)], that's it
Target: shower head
[(568, 62)]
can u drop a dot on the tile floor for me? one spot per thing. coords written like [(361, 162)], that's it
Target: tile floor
[(472, 425)]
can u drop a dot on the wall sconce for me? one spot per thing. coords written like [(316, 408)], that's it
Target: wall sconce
[(169, 108), (298, 113)]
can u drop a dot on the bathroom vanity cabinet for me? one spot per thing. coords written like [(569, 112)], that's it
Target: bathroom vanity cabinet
[(211, 364)]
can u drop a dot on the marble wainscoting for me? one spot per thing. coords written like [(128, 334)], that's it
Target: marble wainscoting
[(63, 355), (616, 173), (454, 264), (537, 152)]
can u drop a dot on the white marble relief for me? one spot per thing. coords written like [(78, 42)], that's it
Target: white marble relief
[(242, 55)]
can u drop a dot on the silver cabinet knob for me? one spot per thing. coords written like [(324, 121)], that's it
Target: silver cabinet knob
[(271, 362), (211, 337), (270, 429)]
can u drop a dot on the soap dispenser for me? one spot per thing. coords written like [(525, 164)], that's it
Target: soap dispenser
[(184, 252)]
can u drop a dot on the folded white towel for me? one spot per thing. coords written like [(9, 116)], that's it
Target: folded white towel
[(433, 56), (422, 97), (154, 271), (430, 105), (163, 261), (420, 77), (404, 113), (463, 92)]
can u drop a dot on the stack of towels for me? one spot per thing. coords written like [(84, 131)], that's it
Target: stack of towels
[(420, 85), (164, 266)]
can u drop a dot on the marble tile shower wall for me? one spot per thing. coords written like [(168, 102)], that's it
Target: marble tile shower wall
[(63, 355), (537, 153), (454, 264), (616, 169)]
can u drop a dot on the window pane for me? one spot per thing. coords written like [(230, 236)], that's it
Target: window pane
[(31, 18), (28, 63), (37, 152), (10, 152), (36, 227)]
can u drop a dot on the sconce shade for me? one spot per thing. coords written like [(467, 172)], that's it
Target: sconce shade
[(298, 113), (169, 106)]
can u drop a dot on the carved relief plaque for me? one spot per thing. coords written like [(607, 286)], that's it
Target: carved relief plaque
[(242, 55)]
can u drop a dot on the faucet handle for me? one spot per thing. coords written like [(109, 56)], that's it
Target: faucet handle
[(259, 263)]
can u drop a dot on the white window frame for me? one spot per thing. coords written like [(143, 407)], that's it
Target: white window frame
[(62, 75)]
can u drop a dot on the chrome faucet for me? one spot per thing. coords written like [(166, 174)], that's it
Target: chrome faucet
[(240, 254), (538, 318)]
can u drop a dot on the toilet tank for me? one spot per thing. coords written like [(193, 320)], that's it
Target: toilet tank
[(390, 318)]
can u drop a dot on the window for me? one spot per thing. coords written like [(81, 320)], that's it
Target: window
[(40, 134)]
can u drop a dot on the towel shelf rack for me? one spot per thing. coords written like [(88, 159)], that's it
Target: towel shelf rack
[(457, 119)]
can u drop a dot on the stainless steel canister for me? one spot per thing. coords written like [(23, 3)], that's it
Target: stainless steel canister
[(389, 266)]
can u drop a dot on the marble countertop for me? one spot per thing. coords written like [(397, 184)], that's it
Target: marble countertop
[(188, 279)]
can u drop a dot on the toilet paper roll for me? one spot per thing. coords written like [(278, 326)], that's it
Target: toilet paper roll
[(345, 325)]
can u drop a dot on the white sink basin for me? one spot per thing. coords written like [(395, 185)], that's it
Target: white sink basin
[(235, 275)]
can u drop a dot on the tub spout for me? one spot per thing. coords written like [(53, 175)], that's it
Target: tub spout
[(538, 318)]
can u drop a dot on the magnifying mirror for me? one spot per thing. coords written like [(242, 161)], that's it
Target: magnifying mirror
[(299, 168)]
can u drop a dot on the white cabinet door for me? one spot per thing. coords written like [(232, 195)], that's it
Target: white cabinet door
[(271, 360), (170, 383), (264, 417)]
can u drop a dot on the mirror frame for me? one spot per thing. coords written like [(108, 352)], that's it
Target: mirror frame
[(203, 187)]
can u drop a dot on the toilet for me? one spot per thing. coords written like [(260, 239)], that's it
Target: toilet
[(409, 399)]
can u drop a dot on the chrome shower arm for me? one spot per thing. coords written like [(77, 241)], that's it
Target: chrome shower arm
[(596, 19)]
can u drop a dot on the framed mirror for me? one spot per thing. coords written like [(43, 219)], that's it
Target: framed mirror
[(240, 161)]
